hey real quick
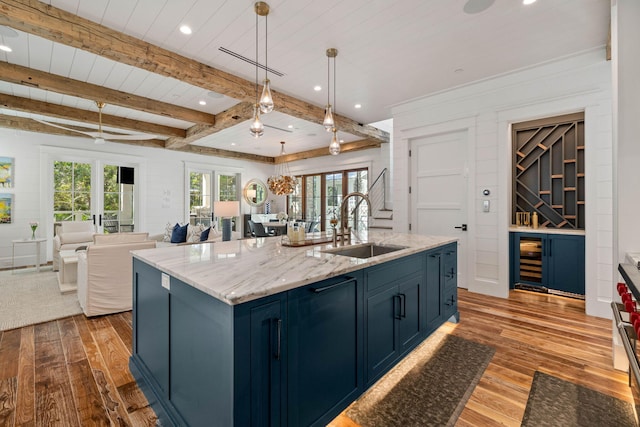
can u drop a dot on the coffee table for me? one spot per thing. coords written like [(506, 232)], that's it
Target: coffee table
[(68, 274)]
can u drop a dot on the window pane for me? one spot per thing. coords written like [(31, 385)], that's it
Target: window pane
[(295, 200), (228, 191), (358, 181), (313, 198), (200, 194), (72, 187), (333, 195)]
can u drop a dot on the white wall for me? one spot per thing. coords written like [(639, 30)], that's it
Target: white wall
[(625, 34), (163, 199), (486, 110)]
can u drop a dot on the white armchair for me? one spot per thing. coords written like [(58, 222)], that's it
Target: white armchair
[(71, 235), (105, 272)]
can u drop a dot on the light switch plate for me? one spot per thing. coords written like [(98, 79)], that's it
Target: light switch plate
[(166, 281), (486, 206)]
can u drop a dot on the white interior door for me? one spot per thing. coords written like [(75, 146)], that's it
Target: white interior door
[(439, 190)]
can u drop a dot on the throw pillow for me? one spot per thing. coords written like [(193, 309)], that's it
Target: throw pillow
[(179, 233), (168, 230), (205, 234), (194, 232)]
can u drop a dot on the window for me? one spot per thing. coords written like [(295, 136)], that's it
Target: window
[(228, 191), (200, 193), (72, 191), (318, 197)]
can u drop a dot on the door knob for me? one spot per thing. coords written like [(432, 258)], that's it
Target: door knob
[(463, 227)]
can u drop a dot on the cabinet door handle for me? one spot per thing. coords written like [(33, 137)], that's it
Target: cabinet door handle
[(403, 301), (326, 288), (100, 220), (550, 246), (94, 220), (397, 307), (278, 338)]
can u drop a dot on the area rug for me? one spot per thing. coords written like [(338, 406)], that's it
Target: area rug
[(26, 299), (555, 402), (429, 388)]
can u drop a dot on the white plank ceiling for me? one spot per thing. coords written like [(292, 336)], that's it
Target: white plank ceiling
[(390, 51)]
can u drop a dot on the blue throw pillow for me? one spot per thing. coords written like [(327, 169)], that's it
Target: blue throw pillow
[(205, 234), (179, 234)]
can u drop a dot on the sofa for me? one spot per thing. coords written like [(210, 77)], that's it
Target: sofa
[(105, 272), (189, 234), (70, 236)]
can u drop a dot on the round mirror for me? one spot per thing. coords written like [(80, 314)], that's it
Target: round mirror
[(255, 193)]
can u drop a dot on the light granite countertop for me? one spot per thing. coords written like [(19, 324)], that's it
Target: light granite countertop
[(238, 271)]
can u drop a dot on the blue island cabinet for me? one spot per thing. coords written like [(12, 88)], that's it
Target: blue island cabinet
[(295, 358), (394, 312)]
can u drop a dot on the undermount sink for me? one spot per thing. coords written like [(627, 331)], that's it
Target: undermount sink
[(364, 251)]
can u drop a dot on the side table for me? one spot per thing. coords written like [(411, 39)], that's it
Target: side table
[(37, 242)]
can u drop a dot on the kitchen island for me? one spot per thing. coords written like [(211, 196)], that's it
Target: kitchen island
[(250, 332)]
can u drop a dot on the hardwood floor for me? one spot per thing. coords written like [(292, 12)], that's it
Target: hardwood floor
[(74, 371)]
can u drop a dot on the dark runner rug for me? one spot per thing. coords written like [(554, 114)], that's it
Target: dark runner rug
[(429, 388), (556, 402)]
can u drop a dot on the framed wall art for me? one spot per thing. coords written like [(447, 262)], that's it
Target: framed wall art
[(6, 172), (6, 208)]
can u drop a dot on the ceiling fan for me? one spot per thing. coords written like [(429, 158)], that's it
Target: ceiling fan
[(100, 137)]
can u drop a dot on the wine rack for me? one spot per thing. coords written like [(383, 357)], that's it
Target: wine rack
[(548, 172)]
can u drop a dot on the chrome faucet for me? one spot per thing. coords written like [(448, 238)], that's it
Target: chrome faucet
[(345, 230)]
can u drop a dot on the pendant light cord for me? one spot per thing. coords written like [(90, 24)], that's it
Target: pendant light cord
[(266, 44), (334, 91), (256, 58), (328, 80)]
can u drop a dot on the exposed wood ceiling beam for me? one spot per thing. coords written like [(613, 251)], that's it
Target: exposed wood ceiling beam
[(318, 152), (29, 125), (34, 78), (57, 25), (225, 153), (76, 114), (231, 117)]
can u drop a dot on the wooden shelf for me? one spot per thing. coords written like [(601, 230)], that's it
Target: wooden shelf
[(548, 171)]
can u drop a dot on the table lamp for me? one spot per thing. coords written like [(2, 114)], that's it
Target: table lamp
[(226, 211)]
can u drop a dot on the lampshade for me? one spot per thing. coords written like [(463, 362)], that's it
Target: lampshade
[(226, 209)]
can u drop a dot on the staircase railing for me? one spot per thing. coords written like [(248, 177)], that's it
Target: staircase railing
[(377, 193)]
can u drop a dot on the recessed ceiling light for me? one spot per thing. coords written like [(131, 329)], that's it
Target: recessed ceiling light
[(317, 88), (525, 2), (185, 29), (341, 141), (358, 106), (233, 143), (5, 48), (290, 126), (202, 102)]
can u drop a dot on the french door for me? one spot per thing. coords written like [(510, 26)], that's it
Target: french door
[(102, 191)]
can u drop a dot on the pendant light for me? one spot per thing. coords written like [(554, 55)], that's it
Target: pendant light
[(328, 122), (282, 183), (257, 128), (266, 100)]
